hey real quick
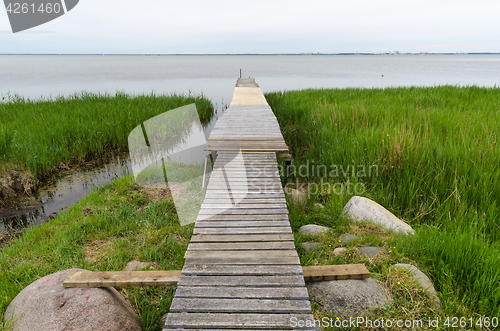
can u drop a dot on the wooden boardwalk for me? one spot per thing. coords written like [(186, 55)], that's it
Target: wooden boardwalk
[(248, 124), (241, 268)]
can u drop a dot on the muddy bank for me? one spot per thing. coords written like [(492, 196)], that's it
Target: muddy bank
[(15, 184)]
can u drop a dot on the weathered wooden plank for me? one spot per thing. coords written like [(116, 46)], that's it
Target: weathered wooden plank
[(219, 217), (241, 270), (241, 246), (220, 305), (246, 201), (240, 321), (239, 254), (249, 174), (238, 281), (122, 278), (170, 277), (242, 237), (243, 261), (252, 175), (239, 211), (244, 178), (335, 272), (249, 187), (249, 154), (240, 224), (225, 160), (228, 231), (287, 293), (243, 206), (231, 190), (182, 329), (244, 195), (213, 147), (245, 143)]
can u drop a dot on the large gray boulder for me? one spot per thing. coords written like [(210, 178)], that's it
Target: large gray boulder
[(350, 297), (423, 280), (47, 305), (365, 210)]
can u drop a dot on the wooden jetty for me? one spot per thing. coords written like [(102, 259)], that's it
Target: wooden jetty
[(241, 268)]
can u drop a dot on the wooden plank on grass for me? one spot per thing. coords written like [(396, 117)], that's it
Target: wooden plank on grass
[(171, 277), (122, 278), (335, 272)]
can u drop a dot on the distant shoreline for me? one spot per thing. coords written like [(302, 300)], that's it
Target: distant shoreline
[(257, 54)]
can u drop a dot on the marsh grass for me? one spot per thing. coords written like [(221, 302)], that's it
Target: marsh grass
[(110, 227), (438, 153), (41, 134)]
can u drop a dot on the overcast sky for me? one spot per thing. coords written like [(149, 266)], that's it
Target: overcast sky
[(258, 26)]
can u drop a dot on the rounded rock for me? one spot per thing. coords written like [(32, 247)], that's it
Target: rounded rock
[(365, 210), (47, 305)]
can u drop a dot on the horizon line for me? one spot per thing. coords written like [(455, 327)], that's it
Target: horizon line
[(235, 54)]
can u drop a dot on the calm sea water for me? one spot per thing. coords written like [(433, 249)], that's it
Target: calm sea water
[(46, 76)]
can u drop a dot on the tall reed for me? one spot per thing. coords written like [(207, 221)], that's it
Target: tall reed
[(438, 154), (40, 134)]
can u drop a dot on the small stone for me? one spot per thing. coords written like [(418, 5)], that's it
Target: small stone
[(313, 229), (309, 247), (349, 297), (369, 251), (365, 210), (346, 238), (339, 251), (137, 265), (319, 206), (298, 196), (422, 279)]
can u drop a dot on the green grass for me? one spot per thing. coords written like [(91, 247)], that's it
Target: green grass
[(41, 134), (438, 156), (110, 227)]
